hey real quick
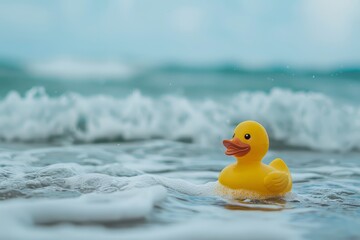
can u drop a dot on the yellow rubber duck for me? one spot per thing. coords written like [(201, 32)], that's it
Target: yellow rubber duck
[(249, 175)]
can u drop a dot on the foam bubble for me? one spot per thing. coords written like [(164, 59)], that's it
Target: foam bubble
[(240, 193)]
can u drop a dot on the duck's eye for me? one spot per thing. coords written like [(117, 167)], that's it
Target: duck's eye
[(233, 135), (247, 136)]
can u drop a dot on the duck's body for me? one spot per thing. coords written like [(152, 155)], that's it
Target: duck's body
[(249, 144), (265, 180)]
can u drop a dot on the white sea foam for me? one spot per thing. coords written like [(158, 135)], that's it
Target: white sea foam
[(294, 118), (20, 216), (23, 220), (134, 199), (102, 183)]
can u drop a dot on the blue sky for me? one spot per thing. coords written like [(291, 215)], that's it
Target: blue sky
[(318, 33)]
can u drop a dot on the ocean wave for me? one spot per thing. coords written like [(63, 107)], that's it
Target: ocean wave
[(97, 69), (300, 119)]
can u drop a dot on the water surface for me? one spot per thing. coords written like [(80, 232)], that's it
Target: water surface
[(138, 156)]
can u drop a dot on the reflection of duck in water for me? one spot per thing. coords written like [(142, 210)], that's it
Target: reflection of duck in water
[(249, 145)]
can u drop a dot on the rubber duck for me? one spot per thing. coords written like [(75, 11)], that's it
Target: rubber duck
[(248, 176)]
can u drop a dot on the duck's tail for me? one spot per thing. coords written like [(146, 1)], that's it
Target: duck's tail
[(280, 165)]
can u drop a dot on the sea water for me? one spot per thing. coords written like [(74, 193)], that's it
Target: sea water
[(137, 156)]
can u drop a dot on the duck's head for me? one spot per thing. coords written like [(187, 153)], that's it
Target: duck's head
[(250, 142)]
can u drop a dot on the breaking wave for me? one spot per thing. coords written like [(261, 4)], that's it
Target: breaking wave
[(300, 119)]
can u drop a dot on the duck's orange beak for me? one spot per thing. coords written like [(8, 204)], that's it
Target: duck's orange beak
[(235, 147)]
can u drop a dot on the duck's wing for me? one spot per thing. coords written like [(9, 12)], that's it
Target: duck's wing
[(280, 165), (276, 181)]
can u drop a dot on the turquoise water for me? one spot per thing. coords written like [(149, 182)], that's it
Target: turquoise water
[(194, 82), (137, 155)]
